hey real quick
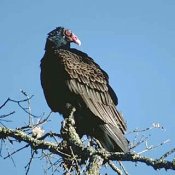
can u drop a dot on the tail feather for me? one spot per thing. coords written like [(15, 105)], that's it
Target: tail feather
[(111, 138)]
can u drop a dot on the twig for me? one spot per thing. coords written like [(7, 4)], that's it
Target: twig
[(16, 151), (50, 134), (4, 103), (76, 161), (29, 163), (152, 146), (123, 168), (142, 140), (6, 115), (116, 169), (19, 104), (31, 126), (167, 154), (10, 155), (154, 125), (29, 107)]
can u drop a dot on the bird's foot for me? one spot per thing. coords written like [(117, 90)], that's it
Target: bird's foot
[(69, 120)]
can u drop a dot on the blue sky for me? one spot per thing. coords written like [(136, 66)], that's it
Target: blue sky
[(132, 40)]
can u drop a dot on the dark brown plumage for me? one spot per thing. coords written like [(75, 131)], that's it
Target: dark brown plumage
[(71, 77)]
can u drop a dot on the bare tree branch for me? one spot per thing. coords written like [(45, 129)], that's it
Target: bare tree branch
[(80, 150), (69, 150), (34, 143)]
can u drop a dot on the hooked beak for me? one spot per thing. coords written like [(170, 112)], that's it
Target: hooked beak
[(75, 39)]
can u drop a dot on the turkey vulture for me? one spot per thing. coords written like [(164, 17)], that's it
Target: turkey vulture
[(70, 77)]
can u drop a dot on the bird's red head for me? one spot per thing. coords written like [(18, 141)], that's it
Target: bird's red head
[(71, 37), (61, 37)]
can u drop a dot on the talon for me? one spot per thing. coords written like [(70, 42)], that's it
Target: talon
[(72, 122)]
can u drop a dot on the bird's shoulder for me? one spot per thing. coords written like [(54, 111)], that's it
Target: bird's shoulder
[(83, 68)]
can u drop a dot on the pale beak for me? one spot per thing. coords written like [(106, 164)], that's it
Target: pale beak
[(75, 39)]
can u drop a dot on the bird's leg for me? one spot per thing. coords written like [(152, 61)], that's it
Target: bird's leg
[(68, 121), (68, 130), (71, 110), (68, 115)]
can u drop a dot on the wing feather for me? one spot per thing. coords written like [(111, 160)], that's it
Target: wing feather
[(91, 83)]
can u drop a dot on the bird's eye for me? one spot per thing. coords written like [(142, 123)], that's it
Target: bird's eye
[(68, 32)]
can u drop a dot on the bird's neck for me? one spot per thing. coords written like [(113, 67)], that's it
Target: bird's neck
[(56, 46)]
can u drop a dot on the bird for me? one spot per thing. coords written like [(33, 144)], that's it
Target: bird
[(69, 77)]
